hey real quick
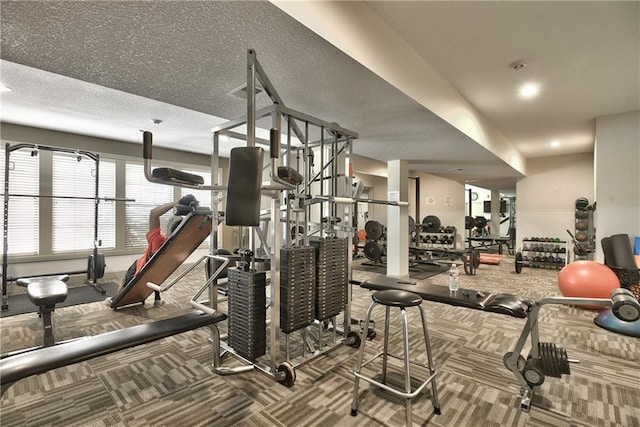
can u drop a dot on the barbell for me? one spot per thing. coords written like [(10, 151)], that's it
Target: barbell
[(41, 196)]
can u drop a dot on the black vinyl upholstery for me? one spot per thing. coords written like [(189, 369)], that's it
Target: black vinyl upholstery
[(17, 367), (511, 305), (243, 191)]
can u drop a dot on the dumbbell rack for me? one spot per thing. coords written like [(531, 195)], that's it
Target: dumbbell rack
[(443, 238), (544, 252)]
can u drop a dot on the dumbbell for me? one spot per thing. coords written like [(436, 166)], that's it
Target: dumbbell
[(625, 306)]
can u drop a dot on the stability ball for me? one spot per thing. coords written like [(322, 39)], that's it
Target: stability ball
[(588, 279)]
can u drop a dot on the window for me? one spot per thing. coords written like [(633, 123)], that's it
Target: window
[(147, 195), (23, 219), (203, 196), (73, 212)]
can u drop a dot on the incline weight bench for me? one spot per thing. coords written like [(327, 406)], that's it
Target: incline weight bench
[(45, 292), (195, 227)]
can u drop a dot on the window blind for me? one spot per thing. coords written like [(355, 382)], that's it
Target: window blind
[(23, 233), (147, 195), (73, 220)]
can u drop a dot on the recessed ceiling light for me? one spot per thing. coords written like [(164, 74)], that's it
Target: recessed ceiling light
[(528, 90), (555, 143), (3, 88)]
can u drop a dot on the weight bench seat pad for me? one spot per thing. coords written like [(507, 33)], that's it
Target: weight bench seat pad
[(25, 281), (14, 368), (47, 293), (511, 305), (179, 245)]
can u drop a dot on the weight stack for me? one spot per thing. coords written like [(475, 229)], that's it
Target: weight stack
[(331, 276), (297, 288), (247, 300)]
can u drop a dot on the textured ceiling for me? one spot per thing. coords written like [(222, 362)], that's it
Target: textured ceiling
[(191, 55), (107, 68)]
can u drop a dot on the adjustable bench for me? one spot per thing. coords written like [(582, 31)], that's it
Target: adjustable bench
[(45, 292), (23, 365), (195, 227), (511, 305)]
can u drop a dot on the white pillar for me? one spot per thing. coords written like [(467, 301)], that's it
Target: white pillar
[(398, 220), (495, 214)]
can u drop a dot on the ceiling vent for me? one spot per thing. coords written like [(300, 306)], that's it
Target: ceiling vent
[(241, 91)]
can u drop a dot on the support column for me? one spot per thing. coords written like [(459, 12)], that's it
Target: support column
[(398, 220), (495, 214)]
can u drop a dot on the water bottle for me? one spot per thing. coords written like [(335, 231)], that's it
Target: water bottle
[(453, 278)]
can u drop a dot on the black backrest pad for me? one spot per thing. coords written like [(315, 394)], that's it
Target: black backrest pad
[(243, 193)]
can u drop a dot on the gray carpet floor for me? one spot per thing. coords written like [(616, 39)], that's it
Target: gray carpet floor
[(169, 382)]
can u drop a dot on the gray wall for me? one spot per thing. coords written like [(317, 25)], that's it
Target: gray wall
[(617, 176), (546, 197), (120, 258)]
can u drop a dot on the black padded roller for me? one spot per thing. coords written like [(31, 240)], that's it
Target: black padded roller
[(147, 142), (274, 140)]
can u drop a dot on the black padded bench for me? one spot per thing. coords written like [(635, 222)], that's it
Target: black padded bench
[(41, 360), (511, 305), (45, 292)]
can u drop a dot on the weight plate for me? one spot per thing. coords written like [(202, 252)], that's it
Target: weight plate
[(519, 262), (412, 224), (480, 222), (373, 250), (98, 273), (469, 222), (374, 230), (432, 222)]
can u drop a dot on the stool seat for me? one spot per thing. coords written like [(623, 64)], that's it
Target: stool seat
[(397, 298), (47, 293)]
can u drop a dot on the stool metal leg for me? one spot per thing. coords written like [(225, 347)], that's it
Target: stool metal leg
[(434, 391), (407, 374), (386, 345), (354, 403)]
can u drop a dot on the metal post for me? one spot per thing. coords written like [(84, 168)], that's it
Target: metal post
[(251, 98), (5, 235)]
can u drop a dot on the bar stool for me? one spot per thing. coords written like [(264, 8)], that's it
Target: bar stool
[(402, 300)]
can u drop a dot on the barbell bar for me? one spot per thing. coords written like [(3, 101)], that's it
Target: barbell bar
[(106, 199)]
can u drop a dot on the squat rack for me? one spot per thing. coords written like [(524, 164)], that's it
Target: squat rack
[(93, 260)]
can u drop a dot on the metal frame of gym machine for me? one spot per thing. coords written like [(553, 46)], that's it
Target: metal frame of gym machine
[(94, 260), (299, 202)]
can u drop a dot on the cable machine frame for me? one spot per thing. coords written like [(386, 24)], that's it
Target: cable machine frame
[(335, 198)]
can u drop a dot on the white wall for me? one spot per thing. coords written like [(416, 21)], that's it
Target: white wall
[(617, 176), (443, 198), (546, 197)]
